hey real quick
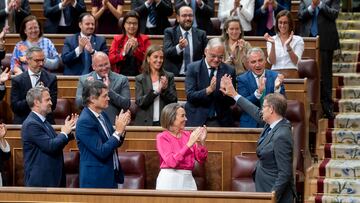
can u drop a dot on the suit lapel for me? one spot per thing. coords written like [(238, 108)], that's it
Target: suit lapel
[(252, 80), (271, 134), (45, 125), (27, 81), (100, 128)]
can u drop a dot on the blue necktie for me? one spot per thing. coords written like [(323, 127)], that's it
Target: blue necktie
[(67, 15), (193, 6), (263, 136), (314, 23), (212, 112), (153, 14), (187, 59)]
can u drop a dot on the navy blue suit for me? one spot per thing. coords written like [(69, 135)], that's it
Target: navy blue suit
[(43, 153), (96, 152), (75, 65), (20, 85), (260, 18), (52, 13), (198, 103), (246, 88)]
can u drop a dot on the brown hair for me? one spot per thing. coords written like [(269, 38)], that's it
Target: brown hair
[(278, 102), (225, 35), (23, 36), (168, 115), (290, 18), (149, 52), (131, 14)]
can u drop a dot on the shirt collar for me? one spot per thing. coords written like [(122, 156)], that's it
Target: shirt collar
[(32, 73), (255, 76), (95, 113), (42, 118), (272, 125), (183, 31)]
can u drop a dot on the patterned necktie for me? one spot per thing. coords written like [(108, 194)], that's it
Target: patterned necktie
[(270, 20), (186, 53), (115, 159), (37, 79), (263, 136), (153, 14), (314, 23)]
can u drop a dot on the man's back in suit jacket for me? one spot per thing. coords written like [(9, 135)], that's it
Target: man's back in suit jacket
[(79, 65), (247, 85), (19, 88), (174, 60)]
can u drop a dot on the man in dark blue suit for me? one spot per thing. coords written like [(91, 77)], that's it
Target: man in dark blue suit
[(265, 14), (183, 41), (62, 15), (78, 49), (42, 146), (34, 76), (206, 105), (98, 140), (256, 83)]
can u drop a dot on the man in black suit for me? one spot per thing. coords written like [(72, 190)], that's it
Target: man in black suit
[(184, 43), (34, 76), (80, 47), (153, 15), (42, 146), (203, 11), (62, 15), (206, 105), (274, 169), (13, 14), (318, 17)]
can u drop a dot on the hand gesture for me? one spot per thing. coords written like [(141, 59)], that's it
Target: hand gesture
[(82, 41), (288, 41), (194, 136), (106, 80), (163, 83), (150, 1), (268, 38), (233, 47), (4, 76), (199, 2), (4, 32), (266, 3), (17, 4), (315, 3), (203, 135), (105, 4), (17, 70), (227, 86), (70, 123), (133, 42), (2, 130), (183, 42), (236, 4), (262, 82), (122, 120), (279, 80), (211, 88), (88, 47)]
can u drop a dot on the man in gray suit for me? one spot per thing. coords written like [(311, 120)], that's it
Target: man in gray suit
[(119, 91), (318, 17), (274, 169)]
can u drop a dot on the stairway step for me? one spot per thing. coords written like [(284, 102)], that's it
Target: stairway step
[(348, 92), (342, 136), (341, 67), (348, 79), (338, 168), (338, 186), (330, 198), (348, 24), (347, 56), (347, 106), (347, 120), (349, 16), (349, 34), (350, 44), (341, 151)]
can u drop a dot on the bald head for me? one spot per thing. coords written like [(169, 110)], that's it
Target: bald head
[(101, 63)]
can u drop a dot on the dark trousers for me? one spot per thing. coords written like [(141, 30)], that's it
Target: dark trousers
[(326, 57)]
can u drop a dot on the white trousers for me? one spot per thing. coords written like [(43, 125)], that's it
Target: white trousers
[(175, 179)]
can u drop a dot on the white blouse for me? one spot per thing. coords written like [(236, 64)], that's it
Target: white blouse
[(283, 60)]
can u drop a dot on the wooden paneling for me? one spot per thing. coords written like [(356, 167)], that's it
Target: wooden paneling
[(222, 143), (22, 194)]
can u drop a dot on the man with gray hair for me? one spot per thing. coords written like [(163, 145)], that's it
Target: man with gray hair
[(256, 83), (118, 85), (206, 105), (34, 76), (42, 146)]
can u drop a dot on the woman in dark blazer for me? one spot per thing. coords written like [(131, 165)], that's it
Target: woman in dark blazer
[(4, 150), (154, 88)]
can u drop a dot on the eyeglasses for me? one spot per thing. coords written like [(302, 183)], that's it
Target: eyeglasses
[(32, 28), (186, 15), (39, 60), (131, 23), (213, 56)]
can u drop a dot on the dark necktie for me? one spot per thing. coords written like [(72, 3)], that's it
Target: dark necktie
[(263, 136), (212, 112), (153, 14), (314, 23), (187, 59), (67, 15), (212, 73), (49, 128)]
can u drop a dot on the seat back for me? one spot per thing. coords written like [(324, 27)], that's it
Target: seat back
[(241, 176), (63, 109), (199, 174), (216, 25), (71, 163), (133, 165)]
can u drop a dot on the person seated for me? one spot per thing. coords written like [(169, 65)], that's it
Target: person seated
[(284, 49), (31, 35), (183, 43), (243, 10), (178, 149), (78, 48), (107, 14), (127, 50), (235, 45), (154, 88), (12, 13), (153, 14), (5, 152), (203, 12), (256, 83)]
